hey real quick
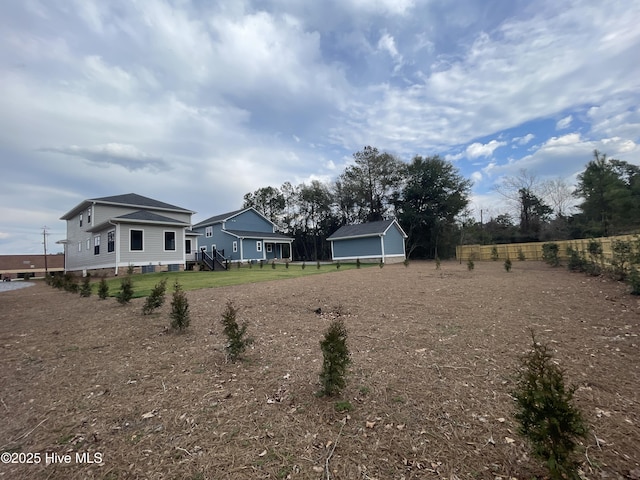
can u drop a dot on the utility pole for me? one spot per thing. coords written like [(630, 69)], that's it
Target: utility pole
[(44, 242)]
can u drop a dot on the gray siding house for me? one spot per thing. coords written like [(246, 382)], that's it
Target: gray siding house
[(111, 233), (242, 235), (373, 241)]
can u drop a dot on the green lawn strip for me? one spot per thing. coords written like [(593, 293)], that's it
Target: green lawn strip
[(144, 283)]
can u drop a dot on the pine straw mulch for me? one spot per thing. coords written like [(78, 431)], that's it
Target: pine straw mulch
[(433, 358)]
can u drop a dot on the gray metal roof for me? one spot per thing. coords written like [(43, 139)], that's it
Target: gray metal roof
[(370, 229)]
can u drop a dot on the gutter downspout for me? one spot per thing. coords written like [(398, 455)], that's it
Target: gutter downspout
[(382, 246), (117, 246)]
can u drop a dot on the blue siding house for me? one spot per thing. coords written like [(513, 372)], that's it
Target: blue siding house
[(373, 241), (242, 235)]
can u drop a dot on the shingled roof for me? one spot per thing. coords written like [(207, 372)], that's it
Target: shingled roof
[(369, 229), (127, 199)]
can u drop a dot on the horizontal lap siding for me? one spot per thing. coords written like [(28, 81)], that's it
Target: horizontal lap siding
[(357, 247), (153, 245), (249, 221), (393, 242)]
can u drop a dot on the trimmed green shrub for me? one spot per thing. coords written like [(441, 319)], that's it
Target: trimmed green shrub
[(550, 254), (521, 256), (237, 340), (70, 283), (318, 264), (358, 263), (406, 262), (126, 290), (179, 309), (544, 410), (381, 264), (103, 289), (437, 263), (470, 265), (156, 298), (27, 276), (338, 265), (336, 358), (303, 265), (273, 264), (494, 253), (622, 255)]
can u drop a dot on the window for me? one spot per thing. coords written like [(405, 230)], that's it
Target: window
[(169, 240), (187, 246), (111, 241), (79, 246), (136, 240), (88, 244), (80, 219), (258, 246), (89, 216), (269, 247), (208, 232), (96, 245), (235, 247)]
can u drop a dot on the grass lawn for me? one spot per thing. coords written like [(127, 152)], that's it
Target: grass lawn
[(190, 280)]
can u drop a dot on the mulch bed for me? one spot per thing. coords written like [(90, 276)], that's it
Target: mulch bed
[(433, 358)]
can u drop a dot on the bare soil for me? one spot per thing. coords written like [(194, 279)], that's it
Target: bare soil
[(433, 358)]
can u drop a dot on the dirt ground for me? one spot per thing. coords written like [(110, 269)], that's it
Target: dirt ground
[(433, 358)]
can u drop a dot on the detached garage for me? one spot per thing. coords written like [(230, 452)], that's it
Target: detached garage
[(369, 241)]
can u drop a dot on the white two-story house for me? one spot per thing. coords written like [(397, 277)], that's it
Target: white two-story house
[(111, 234)]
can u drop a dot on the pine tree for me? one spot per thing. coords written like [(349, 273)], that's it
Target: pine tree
[(547, 417), (336, 358)]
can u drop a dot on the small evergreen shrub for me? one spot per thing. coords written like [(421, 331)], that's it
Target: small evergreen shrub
[(237, 340), (437, 263), (318, 264), (156, 298), (126, 290), (544, 410), (633, 279), (336, 358), (130, 270), (71, 283), (273, 264), (250, 263), (470, 265), (27, 276), (85, 289), (494, 253), (622, 255), (338, 265), (577, 262), (550, 254), (179, 309), (103, 289), (261, 263), (381, 264), (303, 265), (358, 263), (507, 265), (286, 264), (406, 262), (521, 256)]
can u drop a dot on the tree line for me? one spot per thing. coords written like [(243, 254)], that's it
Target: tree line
[(430, 199)]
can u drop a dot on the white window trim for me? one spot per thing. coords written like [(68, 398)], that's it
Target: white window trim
[(137, 230), (164, 241), (269, 247), (258, 246), (96, 243), (208, 232), (79, 246), (89, 243), (235, 247), (114, 241)]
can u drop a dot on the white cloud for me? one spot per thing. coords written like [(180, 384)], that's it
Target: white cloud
[(524, 140), (476, 150), (564, 122)]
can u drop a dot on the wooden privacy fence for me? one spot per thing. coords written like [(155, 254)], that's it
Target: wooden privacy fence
[(533, 250)]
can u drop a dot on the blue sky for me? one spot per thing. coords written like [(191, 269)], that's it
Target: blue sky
[(196, 103)]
